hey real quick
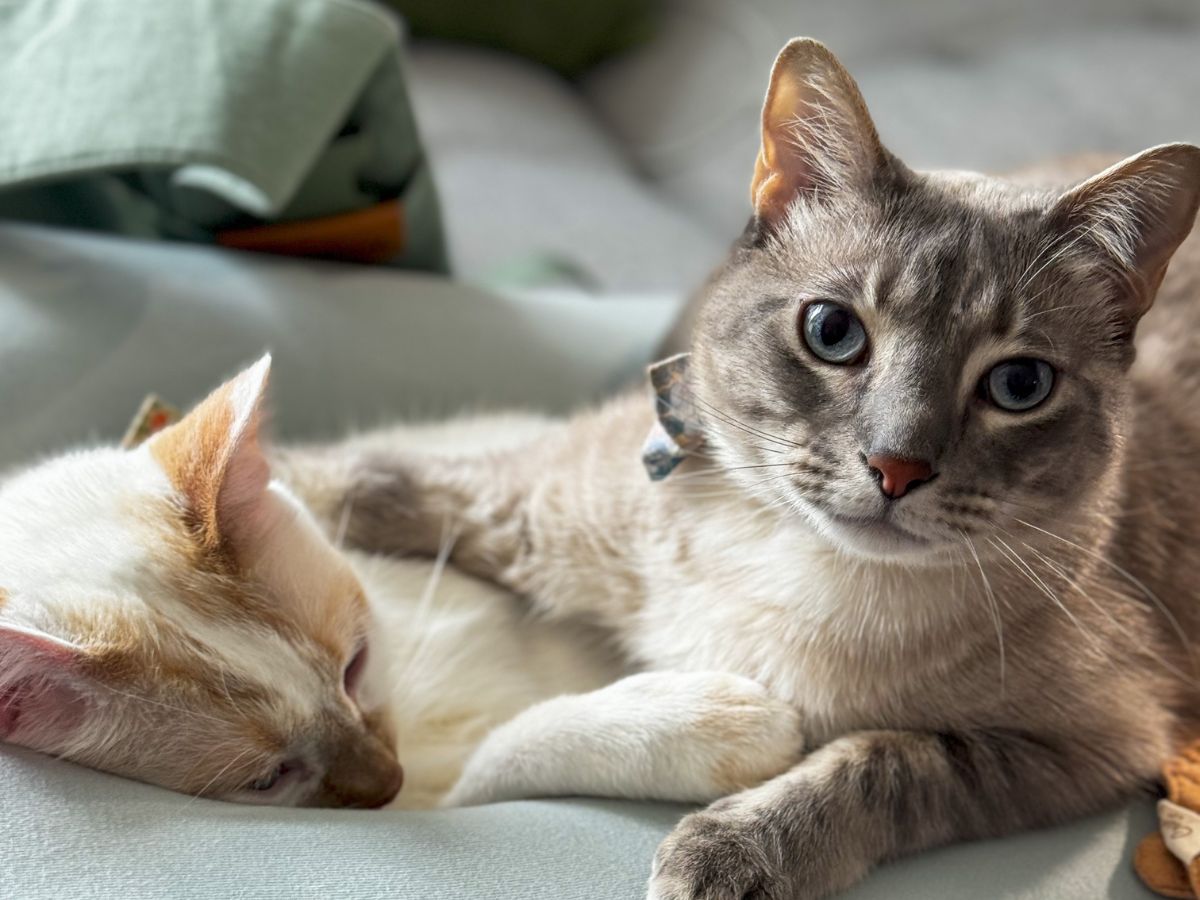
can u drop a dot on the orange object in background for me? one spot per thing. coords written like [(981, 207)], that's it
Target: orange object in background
[(373, 235)]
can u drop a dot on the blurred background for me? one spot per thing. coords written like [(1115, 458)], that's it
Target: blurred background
[(637, 169), (458, 204)]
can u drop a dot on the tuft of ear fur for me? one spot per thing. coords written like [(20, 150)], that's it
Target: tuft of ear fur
[(43, 698), (817, 136), (1136, 214), (214, 459)]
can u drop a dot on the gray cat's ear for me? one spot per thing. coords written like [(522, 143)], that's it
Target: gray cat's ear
[(817, 136), (1136, 214)]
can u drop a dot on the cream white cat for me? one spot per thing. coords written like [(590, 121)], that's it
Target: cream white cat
[(177, 615)]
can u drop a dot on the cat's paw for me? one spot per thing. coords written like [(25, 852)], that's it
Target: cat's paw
[(719, 856), (765, 844), (749, 736), (473, 788), (684, 736)]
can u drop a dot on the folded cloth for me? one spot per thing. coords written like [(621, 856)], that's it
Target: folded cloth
[(277, 125)]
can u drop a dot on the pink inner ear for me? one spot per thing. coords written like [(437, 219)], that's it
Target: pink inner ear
[(40, 714), (10, 710), (241, 507), (213, 458), (42, 698)]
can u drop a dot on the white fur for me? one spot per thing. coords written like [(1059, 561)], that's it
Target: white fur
[(684, 736), (453, 658), (783, 606), (79, 535)]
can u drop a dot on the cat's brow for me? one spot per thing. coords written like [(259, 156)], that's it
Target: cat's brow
[(771, 304), (882, 284)]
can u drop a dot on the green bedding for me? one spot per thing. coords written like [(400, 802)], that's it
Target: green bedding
[(208, 119)]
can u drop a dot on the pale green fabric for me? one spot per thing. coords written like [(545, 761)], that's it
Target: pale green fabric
[(182, 118), (90, 324), (67, 832)]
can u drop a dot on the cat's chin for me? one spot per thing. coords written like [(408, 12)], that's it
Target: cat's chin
[(871, 537)]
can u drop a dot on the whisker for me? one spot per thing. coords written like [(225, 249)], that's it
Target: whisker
[(343, 526), (730, 419), (1032, 577), (150, 702), (225, 768), (993, 607), (687, 476), (700, 451), (1145, 591), (1120, 626), (424, 606)]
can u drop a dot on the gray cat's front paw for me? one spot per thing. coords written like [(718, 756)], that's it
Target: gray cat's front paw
[(719, 856), (737, 851)]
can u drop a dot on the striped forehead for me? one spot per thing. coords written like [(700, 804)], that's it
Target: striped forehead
[(958, 276)]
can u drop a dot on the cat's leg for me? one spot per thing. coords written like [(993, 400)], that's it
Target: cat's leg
[(555, 510), (873, 796), (402, 501), (685, 736)]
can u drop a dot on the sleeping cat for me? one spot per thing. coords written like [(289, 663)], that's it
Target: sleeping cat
[(941, 510), (176, 615)]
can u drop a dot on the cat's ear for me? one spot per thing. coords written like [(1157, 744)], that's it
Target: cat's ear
[(817, 136), (43, 689), (1136, 214), (214, 458)]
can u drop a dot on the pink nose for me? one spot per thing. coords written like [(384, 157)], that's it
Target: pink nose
[(897, 476)]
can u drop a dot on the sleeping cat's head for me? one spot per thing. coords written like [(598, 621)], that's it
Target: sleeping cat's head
[(170, 614), (909, 360)]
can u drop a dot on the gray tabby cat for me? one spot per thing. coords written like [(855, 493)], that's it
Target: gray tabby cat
[(943, 512)]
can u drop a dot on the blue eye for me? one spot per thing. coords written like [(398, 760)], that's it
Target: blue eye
[(833, 333), (1017, 385)]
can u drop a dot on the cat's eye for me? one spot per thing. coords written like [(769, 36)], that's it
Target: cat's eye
[(1017, 385), (833, 333), (267, 782), (354, 669)]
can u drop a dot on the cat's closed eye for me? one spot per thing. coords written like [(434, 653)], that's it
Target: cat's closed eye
[(352, 674), (276, 777)]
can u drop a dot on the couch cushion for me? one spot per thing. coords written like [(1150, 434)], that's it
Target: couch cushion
[(90, 324), (123, 115)]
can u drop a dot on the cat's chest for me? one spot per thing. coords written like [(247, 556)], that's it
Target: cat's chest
[(848, 644)]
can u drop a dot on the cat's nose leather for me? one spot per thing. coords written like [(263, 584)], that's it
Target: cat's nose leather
[(363, 773), (898, 476)]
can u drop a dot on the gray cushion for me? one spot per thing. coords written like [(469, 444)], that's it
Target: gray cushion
[(90, 324), (527, 172), (69, 832)]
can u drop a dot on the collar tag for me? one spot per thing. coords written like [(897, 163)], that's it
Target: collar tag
[(677, 432)]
